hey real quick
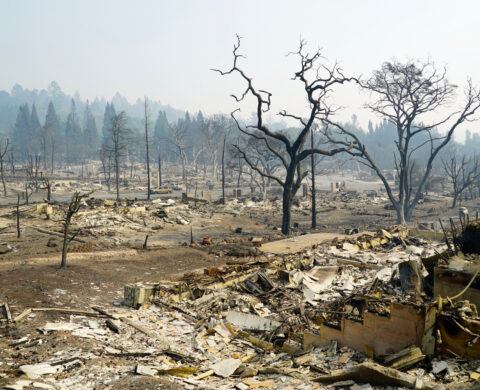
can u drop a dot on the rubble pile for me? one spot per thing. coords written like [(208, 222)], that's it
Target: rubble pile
[(357, 312)]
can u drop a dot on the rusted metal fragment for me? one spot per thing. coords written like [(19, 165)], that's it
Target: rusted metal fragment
[(459, 336)]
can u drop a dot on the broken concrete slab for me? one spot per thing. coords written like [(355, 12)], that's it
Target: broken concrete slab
[(19, 385), (226, 367), (35, 371), (438, 367), (297, 244), (251, 321), (145, 370)]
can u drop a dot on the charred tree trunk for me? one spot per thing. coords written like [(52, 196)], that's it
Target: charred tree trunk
[(117, 176), (26, 193), (73, 207), (18, 217), (455, 198), (286, 209), (3, 178), (314, 207), (159, 169), (184, 174), (223, 170), (240, 168), (12, 163), (65, 242)]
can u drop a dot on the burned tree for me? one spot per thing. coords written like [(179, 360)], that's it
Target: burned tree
[(223, 168), (462, 173), (19, 233), (46, 185), (106, 159), (4, 148), (73, 208), (117, 143), (317, 80), (261, 157), (213, 130), (405, 95), (33, 172), (178, 133)]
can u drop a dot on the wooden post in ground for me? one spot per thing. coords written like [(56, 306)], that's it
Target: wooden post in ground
[(18, 216)]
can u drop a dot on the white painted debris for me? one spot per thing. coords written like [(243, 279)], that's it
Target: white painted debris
[(89, 333), (67, 326), (385, 274), (414, 250), (365, 386), (438, 367), (251, 321), (145, 370), (316, 281), (222, 330), (348, 247), (181, 221), (226, 367), (19, 385), (34, 371)]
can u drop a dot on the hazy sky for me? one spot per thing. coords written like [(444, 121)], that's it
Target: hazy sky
[(165, 49)]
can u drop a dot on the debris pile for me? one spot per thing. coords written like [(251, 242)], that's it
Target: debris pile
[(359, 311)]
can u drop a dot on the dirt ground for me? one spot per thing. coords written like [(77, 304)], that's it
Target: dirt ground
[(30, 275)]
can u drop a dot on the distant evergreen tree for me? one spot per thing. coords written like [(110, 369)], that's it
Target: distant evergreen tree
[(52, 125), (73, 136), (107, 120), (51, 135), (22, 132), (36, 131), (370, 128), (160, 133), (34, 118), (90, 132)]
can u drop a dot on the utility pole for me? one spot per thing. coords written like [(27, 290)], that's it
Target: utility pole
[(159, 170), (223, 169), (146, 146)]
